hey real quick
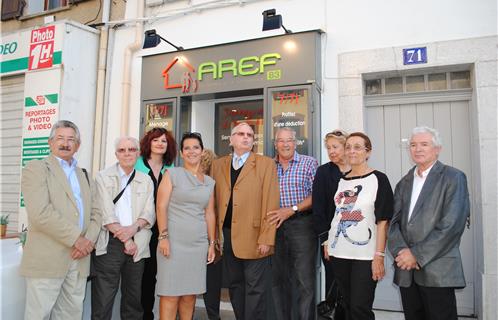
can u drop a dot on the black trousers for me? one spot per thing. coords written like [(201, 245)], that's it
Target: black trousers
[(357, 287), (294, 269), (149, 277), (246, 278), (109, 269), (213, 290), (329, 272), (428, 303)]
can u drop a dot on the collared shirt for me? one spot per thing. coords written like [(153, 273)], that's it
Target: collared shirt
[(243, 159), (72, 178), (296, 182), (123, 206), (418, 183)]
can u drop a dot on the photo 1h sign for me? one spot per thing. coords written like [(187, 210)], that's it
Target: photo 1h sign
[(41, 48), (415, 55)]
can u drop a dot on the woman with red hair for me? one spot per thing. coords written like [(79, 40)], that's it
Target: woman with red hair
[(158, 152)]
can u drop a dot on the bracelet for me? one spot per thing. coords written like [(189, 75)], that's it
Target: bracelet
[(211, 242), (163, 235), (380, 254)]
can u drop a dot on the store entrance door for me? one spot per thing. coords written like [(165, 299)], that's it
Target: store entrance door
[(229, 114)]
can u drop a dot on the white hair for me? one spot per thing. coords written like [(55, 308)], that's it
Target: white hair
[(292, 131), (65, 124), (135, 142), (234, 129), (436, 137)]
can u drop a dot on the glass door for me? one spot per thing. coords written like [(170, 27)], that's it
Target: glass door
[(229, 114)]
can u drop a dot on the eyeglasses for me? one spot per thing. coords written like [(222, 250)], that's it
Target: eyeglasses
[(336, 133), (356, 147), (286, 141), (65, 140), (241, 134), (124, 150)]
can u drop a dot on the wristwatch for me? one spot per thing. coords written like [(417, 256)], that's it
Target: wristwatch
[(295, 209)]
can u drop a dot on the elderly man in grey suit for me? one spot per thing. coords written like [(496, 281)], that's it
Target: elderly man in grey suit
[(431, 207), (62, 229)]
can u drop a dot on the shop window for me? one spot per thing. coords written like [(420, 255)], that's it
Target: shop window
[(290, 108), (12, 9), (159, 115)]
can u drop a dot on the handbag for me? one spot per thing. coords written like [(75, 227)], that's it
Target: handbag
[(332, 307)]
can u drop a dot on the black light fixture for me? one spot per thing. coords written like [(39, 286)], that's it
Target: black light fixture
[(272, 21), (152, 39)]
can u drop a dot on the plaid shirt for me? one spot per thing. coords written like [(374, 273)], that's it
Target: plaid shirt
[(297, 181)]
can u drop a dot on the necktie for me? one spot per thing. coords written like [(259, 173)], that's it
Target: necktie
[(236, 163)]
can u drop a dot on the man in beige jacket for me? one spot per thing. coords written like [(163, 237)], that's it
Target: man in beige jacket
[(62, 229), (126, 197)]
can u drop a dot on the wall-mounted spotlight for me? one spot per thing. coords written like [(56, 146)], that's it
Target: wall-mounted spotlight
[(272, 21), (152, 39)]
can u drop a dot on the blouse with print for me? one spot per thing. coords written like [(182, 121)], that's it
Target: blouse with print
[(360, 203)]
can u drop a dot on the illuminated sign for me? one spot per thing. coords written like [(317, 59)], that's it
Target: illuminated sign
[(245, 66)]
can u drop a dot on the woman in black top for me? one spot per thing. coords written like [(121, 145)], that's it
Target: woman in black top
[(158, 152)]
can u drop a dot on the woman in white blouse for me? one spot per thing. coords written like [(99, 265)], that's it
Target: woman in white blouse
[(357, 236)]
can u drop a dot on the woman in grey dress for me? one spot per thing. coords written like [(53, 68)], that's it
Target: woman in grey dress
[(186, 220)]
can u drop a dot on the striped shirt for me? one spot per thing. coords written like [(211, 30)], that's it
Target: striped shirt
[(297, 181)]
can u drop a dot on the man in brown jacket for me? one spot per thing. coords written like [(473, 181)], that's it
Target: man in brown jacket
[(62, 229), (246, 190)]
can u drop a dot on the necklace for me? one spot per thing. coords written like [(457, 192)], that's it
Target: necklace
[(195, 174)]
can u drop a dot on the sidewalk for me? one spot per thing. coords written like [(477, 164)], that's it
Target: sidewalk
[(200, 314)]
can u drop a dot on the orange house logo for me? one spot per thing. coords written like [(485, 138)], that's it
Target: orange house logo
[(187, 82)]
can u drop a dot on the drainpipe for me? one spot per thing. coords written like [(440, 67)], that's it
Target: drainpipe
[(100, 90), (129, 51)]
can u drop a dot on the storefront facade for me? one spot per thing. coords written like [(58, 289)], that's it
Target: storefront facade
[(379, 68), (268, 83)]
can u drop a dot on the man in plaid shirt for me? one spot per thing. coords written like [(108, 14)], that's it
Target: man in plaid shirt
[(296, 242)]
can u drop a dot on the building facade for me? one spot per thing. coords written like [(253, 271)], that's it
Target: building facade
[(382, 68)]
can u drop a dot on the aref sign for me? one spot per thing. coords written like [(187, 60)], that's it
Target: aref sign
[(266, 62)]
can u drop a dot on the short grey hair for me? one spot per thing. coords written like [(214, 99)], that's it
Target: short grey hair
[(292, 131), (436, 137), (234, 129), (135, 142), (65, 124)]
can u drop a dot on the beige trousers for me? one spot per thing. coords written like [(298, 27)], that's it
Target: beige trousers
[(56, 298)]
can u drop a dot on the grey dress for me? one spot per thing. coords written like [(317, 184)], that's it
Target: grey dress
[(184, 272)]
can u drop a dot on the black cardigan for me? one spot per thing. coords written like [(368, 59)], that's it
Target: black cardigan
[(324, 188)]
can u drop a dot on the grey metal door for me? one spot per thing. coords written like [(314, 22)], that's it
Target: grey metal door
[(389, 127)]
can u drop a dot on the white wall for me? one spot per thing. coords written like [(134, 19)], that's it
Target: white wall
[(203, 120), (349, 26)]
